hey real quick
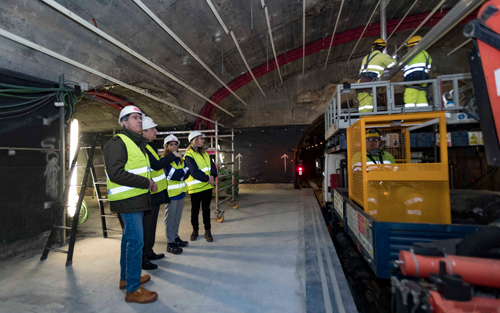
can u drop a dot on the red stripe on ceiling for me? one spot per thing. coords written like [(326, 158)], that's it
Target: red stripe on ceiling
[(410, 22)]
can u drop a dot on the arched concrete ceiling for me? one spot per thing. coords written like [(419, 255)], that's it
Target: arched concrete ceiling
[(195, 24)]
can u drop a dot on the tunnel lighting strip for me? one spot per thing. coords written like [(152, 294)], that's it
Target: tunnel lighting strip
[(272, 43), (334, 30), (460, 46), (421, 24), (99, 32), (369, 21), (217, 16), (246, 63), (401, 21), (183, 45), (303, 37), (55, 55)]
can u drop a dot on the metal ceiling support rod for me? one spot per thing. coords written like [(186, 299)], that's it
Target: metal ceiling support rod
[(333, 35), (421, 24), (366, 26), (214, 11), (460, 46), (183, 45), (383, 26), (60, 57), (303, 36), (272, 43), (235, 43), (99, 32), (246, 63), (462, 9), (401, 21)]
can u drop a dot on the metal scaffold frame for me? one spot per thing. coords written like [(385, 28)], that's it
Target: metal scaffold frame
[(215, 137)]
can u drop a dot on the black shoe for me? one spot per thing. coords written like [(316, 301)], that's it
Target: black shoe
[(155, 256), (181, 243), (208, 235), (146, 265), (172, 248), (194, 235)]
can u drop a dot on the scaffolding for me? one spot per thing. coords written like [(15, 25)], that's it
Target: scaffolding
[(214, 149)]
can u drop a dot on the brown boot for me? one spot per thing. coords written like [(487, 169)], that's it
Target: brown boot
[(141, 295), (208, 235), (194, 235), (144, 279)]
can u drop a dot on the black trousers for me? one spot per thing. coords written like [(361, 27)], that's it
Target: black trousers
[(203, 197), (149, 225)]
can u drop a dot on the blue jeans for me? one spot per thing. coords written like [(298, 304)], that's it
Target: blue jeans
[(131, 254)]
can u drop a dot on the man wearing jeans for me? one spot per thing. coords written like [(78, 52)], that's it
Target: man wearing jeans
[(129, 184)]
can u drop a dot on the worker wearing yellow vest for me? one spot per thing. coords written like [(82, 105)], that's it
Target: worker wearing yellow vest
[(157, 198), (417, 69), (177, 172), (372, 67), (129, 184), (200, 183)]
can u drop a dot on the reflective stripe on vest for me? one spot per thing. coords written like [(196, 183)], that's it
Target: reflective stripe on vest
[(204, 164), (138, 164), (158, 176), (420, 63), (175, 187)]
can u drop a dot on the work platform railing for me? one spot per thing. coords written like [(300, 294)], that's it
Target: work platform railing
[(341, 116)]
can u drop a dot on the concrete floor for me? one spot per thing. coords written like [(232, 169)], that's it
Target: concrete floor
[(272, 254)]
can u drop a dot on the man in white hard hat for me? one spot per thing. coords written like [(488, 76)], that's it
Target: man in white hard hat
[(157, 198), (129, 184)]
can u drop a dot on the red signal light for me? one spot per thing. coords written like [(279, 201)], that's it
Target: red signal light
[(300, 168)]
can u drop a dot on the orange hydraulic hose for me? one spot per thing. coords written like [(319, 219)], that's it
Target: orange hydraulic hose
[(476, 271)]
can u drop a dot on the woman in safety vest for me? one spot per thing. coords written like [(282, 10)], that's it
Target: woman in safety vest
[(200, 183), (176, 173)]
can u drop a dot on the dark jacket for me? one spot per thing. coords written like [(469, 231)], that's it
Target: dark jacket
[(115, 158), (160, 197), (197, 173), (180, 174)]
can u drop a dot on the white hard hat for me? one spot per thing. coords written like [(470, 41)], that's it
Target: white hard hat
[(148, 123), (194, 134), (129, 110), (169, 139)]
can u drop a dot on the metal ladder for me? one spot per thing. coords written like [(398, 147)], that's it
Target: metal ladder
[(100, 199), (64, 200)]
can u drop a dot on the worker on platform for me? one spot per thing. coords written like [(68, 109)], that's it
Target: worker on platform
[(177, 173), (200, 183), (417, 69), (372, 67), (158, 197), (129, 183)]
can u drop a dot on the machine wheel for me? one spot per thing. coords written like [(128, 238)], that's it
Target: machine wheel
[(220, 218)]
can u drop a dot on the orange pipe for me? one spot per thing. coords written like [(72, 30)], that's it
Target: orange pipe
[(475, 271)]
